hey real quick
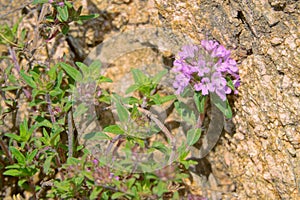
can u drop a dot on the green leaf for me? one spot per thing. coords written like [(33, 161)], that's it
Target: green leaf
[(105, 99), (55, 136), (159, 146), (49, 19), (57, 91), (103, 79), (12, 79), (95, 66), (78, 181), (95, 70), (80, 110), (65, 29), (68, 4), (138, 76), (230, 83), (176, 196), (28, 79), (114, 129), (97, 136), (71, 71), (167, 98), (199, 101), (16, 26), (122, 111), (45, 133), (9, 88), (79, 10), (186, 113), (160, 100), (47, 164), (188, 163), (87, 17), (183, 151), (31, 155), (132, 88), (9, 68), (35, 76), (160, 189), (13, 136), (130, 182), (132, 100), (43, 122), (72, 161), (84, 69), (59, 79), (21, 182), (156, 79), (24, 130), (18, 155), (96, 191), (193, 136), (34, 93), (117, 195), (223, 106), (46, 138), (40, 1), (63, 13), (105, 195), (13, 166), (23, 34), (13, 172)]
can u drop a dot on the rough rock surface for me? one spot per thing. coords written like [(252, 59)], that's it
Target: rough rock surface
[(263, 157)]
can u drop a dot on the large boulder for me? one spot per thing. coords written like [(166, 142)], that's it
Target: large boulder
[(262, 157)]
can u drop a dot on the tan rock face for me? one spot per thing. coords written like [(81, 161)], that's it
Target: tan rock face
[(263, 156), (261, 160)]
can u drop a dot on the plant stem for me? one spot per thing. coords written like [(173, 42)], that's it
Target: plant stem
[(114, 140), (164, 130), (6, 151), (70, 132), (201, 116), (10, 42), (50, 109), (14, 58)]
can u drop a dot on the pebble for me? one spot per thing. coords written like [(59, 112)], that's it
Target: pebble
[(276, 41)]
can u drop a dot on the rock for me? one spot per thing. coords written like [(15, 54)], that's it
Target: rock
[(276, 40), (268, 104)]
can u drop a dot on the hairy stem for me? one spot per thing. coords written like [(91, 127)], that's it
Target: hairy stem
[(164, 129), (6, 151), (14, 58), (70, 133), (50, 109), (201, 116)]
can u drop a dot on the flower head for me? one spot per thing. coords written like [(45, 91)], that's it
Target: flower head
[(206, 68), (181, 82), (209, 45), (205, 86), (61, 4), (221, 52), (188, 51), (96, 162)]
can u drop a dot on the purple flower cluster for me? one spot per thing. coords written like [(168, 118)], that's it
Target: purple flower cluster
[(102, 174), (207, 68), (61, 4)]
